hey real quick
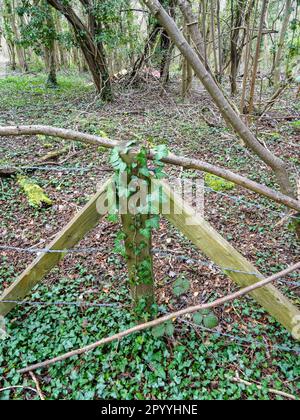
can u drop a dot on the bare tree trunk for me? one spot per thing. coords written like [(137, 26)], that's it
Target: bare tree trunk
[(165, 44), (187, 72), (279, 54), (249, 37), (50, 48), (166, 70), (12, 55), (220, 51), (240, 20), (213, 34), (193, 27), (61, 49), (236, 23), (203, 10), (257, 55), (192, 23), (12, 35), (21, 52), (219, 99), (92, 51)]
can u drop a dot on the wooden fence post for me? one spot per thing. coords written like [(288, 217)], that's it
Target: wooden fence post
[(222, 253), (138, 235)]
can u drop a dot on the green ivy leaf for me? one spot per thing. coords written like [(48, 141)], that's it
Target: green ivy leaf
[(160, 371), (144, 171), (169, 328), (158, 331), (153, 223), (114, 157), (161, 151), (113, 218), (206, 312), (146, 233)]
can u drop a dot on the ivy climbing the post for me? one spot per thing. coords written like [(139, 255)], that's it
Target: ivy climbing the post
[(138, 205)]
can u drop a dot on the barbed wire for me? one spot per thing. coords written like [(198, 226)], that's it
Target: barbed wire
[(211, 265), (162, 253), (51, 251), (251, 341), (238, 200), (48, 168), (63, 303), (57, 168)]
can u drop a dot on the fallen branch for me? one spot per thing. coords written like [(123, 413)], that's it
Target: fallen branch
[(163, 319), (237, 379), (272, 101), (183, 162), (38, 388), (53, 155), (7, 172), (8, 388)]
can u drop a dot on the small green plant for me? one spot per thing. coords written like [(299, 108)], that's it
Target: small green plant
[(181, 286), (35, 194), (296, 125), (218, 184), (163, 329), (294, 223), (275, 136), (206, 318)]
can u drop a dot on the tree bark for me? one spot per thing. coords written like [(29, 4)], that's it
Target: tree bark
[(12, 35), (279, 54), (92, 51), (220, 51), (240, 19), (193, 28), (249, 37), (63, 59), (50, 49), (219, 99), (213, 34), (187, 73), (257, 55)]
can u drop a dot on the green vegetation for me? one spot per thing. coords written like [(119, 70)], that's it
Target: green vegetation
[(181, 359), (195, 364), (296, 125), (218, 184), (35, 194), (17, 90)]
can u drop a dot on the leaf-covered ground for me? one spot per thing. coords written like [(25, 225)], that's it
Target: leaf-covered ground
[(195, 363)]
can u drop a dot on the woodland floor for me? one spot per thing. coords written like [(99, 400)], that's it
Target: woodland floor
[(195, 363)]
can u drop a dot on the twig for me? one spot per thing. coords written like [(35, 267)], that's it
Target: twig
[(270, 390), (272, 101), (18, 387), (171, 159), (163, 319), (38, 388)]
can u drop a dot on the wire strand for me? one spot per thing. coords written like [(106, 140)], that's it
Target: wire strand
[(63, 303), (158, 252)]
